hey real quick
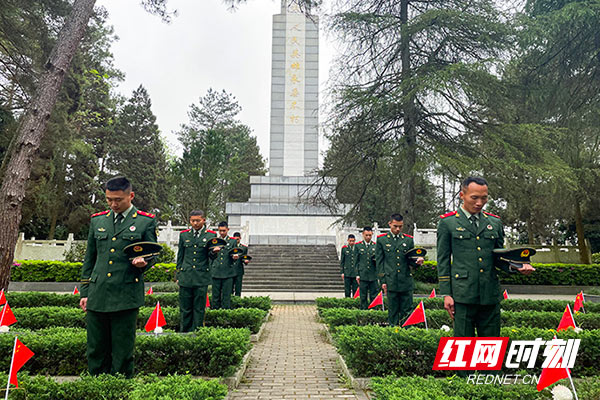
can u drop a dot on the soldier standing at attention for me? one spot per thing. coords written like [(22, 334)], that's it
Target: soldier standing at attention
[(193, 271), (239, 266), (467, 272), (223, 270), (112, 286), (348, 268), (366, 269), (393, 269)]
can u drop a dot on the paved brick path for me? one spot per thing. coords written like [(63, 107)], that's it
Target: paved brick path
[(293, 360)]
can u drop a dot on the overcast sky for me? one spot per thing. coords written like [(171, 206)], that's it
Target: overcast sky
[(207, 45)]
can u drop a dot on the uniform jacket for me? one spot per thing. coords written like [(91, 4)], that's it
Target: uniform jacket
[(348, 261), (239, 263), (365, 261), (193, 258), (465, 262), (223, 265), (393, 267), (108, 279)]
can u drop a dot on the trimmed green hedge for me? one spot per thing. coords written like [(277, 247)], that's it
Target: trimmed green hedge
[(455, 388), (381, 351), (335, 317), (69, 317), (107, 387), (37, 299), (438, 304), (209, 352)]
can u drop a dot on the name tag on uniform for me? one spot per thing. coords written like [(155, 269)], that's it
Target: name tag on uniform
[(101, 229), (388, 245), (460, 228)]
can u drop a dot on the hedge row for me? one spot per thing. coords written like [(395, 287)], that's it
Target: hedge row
[(381, 351), (107, 387), (438, 304), (429, 388), (69, 317), (37, 299), (335, 317), (61, 351)]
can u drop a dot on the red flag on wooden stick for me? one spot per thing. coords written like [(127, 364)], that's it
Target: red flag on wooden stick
[(567, 321), (156, 320), (377, 301), (21, 354), (356, 294)]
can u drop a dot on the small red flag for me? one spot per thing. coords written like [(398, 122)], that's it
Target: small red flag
[(432, 294), (207, 301), (356, 294), (505, 294), (21, 355), (2, 297), (567, 321), (150, 291), (157, 319), (551, 375), (377, 301), (7, 317), (75, 291), (578, 302), (417, 316)]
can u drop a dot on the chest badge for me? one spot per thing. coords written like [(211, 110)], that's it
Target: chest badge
[(132, 228), (403, 244), (489, 227), (101, 230), (460, 228), (204, 239)]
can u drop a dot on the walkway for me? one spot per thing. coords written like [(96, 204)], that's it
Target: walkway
[(293, 360)]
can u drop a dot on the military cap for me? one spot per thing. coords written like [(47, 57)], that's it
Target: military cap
[(416, 252), (236, 250), (216, 242), (247, 257), (148, 250), (515, 257)]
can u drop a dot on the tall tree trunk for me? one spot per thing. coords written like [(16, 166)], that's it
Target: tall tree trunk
[(584, 256), (32, 129), (530, 236)]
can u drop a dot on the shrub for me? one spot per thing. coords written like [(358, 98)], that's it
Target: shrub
[(76, 252), (165, 287), (166, 256), (596, 258), (209, 352)]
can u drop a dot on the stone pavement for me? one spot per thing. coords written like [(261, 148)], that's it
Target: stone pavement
[(293, 360)]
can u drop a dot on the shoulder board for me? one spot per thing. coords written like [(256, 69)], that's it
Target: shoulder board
[(407, 235), (382, 235), (209, 231), (448, 214), (100, 213), (187, 230), (491, 215), (344, 246), (232, 237), (145, 214), (359, 242)]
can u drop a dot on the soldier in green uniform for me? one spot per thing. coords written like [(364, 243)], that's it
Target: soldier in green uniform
[(239, 266), (112, 286), (348, 267), (193, 271), (467, 271), (366, 269), (393, 269), (223, 270)]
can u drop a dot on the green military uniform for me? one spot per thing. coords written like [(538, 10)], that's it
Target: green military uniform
[(393, 269), (114, 289), (239, 270), (348, 268), (367, 270), (223, 272), (193, 275), (467, 271)]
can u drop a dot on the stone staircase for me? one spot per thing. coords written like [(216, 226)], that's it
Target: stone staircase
[(293, 268)]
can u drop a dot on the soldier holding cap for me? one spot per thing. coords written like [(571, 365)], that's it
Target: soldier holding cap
[(239, 265), (348, 267), (393, 269), (112, 285), (223, 269), (467, 267), (193, 271), (366, 269)]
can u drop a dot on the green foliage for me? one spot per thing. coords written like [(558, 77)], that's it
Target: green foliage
[(179, 387), (596, 258), (166, 256), (209, 352), (380, 351), (165, 287), (76, 253), (160, 273)]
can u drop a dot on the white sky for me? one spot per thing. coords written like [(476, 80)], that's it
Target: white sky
[(207, 45)]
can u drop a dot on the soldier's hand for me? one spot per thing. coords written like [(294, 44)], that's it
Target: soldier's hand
[(216, 249), (358, 279), (83, 303), (235, 256), (420, 261), (139, 262), (526, 269), (246, 262), (449, 305), (342, 276), (384, 288)]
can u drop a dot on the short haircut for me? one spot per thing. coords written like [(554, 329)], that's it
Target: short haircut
[(396, 217), (196, 213), (237, 234), (223, 223), (351, 236), (367, 229), (473, 179), (118, 183)]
